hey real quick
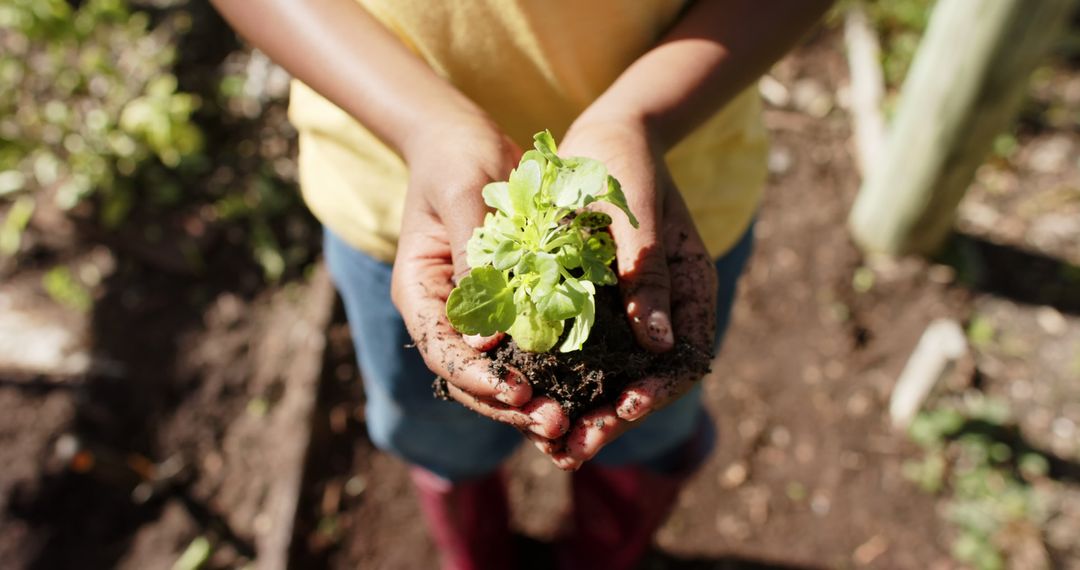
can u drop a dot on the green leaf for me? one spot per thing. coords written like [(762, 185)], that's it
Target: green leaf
[(579, 182), (592, 220), (545, 144), (545, 269), (497, 195), (483, 243), (532, 332), (598, 253), (482, 303), (579, 331), (506, 255), (563, 302), (195, 555), (569, 256), (525, 183), (615, 196)]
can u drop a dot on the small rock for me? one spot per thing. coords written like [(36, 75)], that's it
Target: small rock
[(810, 97), (1020, 390), (1049, 156), (355, 486), (735, 475), (1063, 428), (732, 527), (979, 215), (757, 505), (941, 274), (870, 550), (858, 405), (780, 160), (1053, 230), (780, 436), (820, 504), (774, 92), (1051, 320)]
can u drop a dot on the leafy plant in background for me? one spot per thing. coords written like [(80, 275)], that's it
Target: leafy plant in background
[(86, 99), (537, 260), (986, 475)]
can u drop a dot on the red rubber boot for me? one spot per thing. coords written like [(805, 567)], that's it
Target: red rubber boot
[(469, 521), (617, 510)]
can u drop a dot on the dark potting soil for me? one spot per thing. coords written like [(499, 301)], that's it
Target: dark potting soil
[(611, 358)]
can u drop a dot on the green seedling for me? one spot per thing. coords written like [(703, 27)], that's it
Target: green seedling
[(539, 257)]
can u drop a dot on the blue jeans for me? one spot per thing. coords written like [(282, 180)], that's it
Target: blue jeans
[(404, 418)]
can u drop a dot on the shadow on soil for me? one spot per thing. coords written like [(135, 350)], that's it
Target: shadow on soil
[(81, 509), (1058, 468), (82, 505), (539, 556), (1013, 273), (662, 561)]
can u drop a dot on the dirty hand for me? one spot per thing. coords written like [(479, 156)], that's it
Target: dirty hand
[(449, 163), (667, 278)]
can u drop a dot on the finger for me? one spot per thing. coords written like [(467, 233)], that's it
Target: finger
[(461, 204), (421, 283), (541, 416), (547, 446), (589, 435), (463, 212), (693, 277), (643, 272), (693, 294), (647, 395), (483, 343)]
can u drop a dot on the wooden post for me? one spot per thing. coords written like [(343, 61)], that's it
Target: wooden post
[(967, 80), (867, 87)]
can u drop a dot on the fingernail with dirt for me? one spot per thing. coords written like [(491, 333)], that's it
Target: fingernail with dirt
[(659, 327), (540, 423), (632, 408), (506, 387)]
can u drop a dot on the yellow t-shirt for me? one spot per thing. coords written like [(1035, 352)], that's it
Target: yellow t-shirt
[(532, 65)]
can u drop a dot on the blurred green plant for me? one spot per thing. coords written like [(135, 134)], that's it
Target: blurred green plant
[(900, 24), (973, 454), (87, 97), (65, 289), (11, 230)]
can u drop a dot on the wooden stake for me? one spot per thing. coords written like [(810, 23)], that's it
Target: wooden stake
[(867, 87), (964, 87)]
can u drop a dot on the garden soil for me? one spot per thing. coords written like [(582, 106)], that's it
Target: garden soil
[(806, 473)]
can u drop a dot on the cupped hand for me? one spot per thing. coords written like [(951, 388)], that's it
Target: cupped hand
[(449, 164), (667, 277)]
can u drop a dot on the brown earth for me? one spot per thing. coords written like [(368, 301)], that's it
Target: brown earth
[(807, 473)]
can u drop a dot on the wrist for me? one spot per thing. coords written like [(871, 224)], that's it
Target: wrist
[(440, 131), (619, 121)]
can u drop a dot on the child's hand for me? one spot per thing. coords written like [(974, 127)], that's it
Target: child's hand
[(666, 274), (449, 163)]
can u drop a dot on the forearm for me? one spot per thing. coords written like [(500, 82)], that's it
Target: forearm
[(338, 49), (717, 49)]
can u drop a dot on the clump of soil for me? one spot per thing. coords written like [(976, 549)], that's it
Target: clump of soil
[(610, 359)]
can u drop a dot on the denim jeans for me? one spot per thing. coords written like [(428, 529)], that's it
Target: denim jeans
[(404, 418)]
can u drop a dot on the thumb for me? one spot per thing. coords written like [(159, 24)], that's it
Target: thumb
[(463, 214), (646, 288), (643, 273)]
